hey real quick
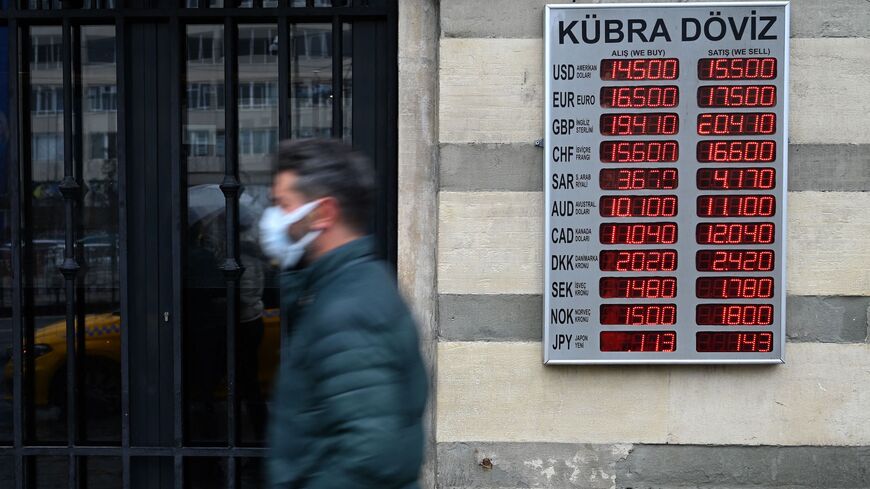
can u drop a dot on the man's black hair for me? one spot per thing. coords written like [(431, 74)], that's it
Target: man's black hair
[(330, 168)]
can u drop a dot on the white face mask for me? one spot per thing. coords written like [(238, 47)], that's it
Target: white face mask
[(275, 236)]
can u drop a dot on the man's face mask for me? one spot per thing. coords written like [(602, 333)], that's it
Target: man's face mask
[(275, 234)]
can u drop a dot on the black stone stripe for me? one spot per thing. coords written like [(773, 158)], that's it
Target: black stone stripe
[(467, 317), (518, 167)]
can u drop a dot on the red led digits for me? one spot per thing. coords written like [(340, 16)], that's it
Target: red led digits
[(637, 287), (638, 260), (734, 314), (640, 97), (640, 69), (736, 123), (743, 151), (638, 206), (735, 260), (736, 205), (639, 124), (638, 314), (737, 68), (735, 234), (736, 178), (734, 288), (639, 151), (734, 342), (737, 96), (638, 233), (651, 341), (638, 179)]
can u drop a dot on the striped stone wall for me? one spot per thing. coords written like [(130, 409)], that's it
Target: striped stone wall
[(506, 421)]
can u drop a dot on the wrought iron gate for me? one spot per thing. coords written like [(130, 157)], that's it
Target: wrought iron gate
[(139, 329)]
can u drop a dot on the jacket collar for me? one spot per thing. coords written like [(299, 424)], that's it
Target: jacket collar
[(309, 278)]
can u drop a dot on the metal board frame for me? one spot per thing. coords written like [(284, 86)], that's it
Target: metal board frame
[(782, 193)]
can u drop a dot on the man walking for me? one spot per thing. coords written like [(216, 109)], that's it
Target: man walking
[(351, 389)]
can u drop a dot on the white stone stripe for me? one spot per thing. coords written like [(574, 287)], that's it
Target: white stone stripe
[(491, 90), (501, 392), (492, 243)]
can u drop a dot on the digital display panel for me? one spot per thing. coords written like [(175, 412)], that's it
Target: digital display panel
[(642, 97), (652, 124), (638, 206), (734, 314), (640, 69), (638, 287), (736, 205), (645, 243), (639, 151), (737, 151), (734, 341), (735, 260), (638, 233), (737, 69), (744, 178), (638, 178), (638, 314), (736, 123), (638, 260), (646, 341), (737, 96)]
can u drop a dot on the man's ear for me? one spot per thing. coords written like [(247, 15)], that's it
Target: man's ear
[(326, 214)]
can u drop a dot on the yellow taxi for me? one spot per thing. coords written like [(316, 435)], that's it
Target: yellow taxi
[(103, 360)]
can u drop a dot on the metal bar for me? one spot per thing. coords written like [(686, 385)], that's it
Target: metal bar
[(231, 187), (69, 267), (144, 451), (337, 78), (15, 207), (232, 474), (123, 274), (283, 78), (178, 176), (194, 15), (78, 175)]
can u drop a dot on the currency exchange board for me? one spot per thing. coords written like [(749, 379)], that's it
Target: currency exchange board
[(665, 182)]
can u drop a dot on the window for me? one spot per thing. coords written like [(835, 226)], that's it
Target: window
[(258, 141), (253, 95), (102, 98), (46, 99), (103, 146), (100, 50), (46, 50), (257, 44), (205, 47), (205, 142), (205, 96), (47, 147)]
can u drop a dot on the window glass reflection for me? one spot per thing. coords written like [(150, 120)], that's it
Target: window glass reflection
[(311, 80), (6, 191), (205, 286)]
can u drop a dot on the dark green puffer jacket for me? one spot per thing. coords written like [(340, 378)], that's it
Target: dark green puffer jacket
[(351, 389)]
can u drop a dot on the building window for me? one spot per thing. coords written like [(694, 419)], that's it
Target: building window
[(46, 50), (100, 50), (47, 147), (204, 142), (205, 47), (205, 96), (103, 146), (258, 44), (46, 99), (255, 95), (258, 141), (102, 98)]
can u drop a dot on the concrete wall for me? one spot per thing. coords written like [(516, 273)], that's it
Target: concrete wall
[(506, 421)]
